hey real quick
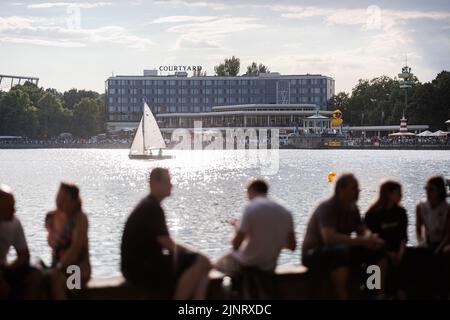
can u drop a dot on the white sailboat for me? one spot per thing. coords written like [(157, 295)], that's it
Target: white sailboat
[(148, 137)]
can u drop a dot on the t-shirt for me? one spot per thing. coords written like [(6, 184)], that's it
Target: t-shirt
[(330, 214), (390, 225), (11, 235), (267, 226), (435, 221), (140, 248)]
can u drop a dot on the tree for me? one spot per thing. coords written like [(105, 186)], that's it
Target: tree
[(17, 114), (53, 117), (88, 118), (254, 69), (34, 92), (74, 96), (230, 67), (199, 73)]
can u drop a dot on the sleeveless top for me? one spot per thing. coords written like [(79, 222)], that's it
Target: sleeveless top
[(64, 241), (435, 221)]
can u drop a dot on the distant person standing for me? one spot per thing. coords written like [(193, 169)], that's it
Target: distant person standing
[(265, 228), (149, 256), (328, 245), (17, 279)]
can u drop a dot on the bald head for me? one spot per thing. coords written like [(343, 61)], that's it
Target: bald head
[(347, 188), (160, 185), (7, 204)]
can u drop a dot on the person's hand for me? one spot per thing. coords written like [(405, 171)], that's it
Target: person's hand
[(373, 242)]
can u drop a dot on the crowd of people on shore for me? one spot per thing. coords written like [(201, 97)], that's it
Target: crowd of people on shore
[(338, 239), (64, 142), (386, 141)]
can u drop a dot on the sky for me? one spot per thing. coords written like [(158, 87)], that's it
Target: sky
[(79, 44)]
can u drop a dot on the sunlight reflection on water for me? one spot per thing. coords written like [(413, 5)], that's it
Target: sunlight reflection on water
[(209, 188)]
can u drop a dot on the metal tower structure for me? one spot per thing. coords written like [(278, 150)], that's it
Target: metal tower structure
[(8, 81)]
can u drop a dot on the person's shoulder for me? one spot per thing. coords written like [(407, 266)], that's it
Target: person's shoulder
[(279, 207), (325, 206), (401, 210), (146, 203), (13, 224)]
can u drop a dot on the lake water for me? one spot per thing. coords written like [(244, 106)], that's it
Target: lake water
[(209, 188)]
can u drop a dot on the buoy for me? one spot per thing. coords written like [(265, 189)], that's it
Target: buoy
[(331, 176)]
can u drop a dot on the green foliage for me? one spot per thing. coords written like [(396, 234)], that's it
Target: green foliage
[(27, 110), (53, 117), (230, 67), (254, 69), (88, 118), (73, 96), (380, 101)]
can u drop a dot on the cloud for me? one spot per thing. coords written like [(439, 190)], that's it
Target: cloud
[(48, 32), (182, 19), (194, 4), (184, 42), (211, 32), (81, 5), (43, 42), (216, 28)]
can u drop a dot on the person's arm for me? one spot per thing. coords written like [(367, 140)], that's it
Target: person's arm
[(331, 237), (292, 241), (23, 259), (167, 243), (21, 247), (362, 230), (419, 226), (237, 240), (241, 228), (79, 239), (446, 239)]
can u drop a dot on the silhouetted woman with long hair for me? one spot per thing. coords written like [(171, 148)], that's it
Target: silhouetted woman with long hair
[(68, 238)]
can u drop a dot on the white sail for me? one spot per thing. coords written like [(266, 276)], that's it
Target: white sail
[(137, 147), (152, 135)]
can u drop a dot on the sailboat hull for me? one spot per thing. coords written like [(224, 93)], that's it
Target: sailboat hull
[(148, 157)]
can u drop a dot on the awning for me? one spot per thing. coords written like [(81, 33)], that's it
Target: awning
[(402, 134), (426, 133), (439, 133)]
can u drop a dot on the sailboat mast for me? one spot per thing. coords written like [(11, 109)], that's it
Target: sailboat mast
[(143, 126)]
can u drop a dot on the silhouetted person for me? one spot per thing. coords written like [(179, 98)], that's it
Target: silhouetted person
[(265, 228), (68, 238), (388, 219), (149, 256), (328, 245), (430, 260), (17, 279), (432, 217)]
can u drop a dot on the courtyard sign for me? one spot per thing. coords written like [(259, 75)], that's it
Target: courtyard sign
[(180, 68)]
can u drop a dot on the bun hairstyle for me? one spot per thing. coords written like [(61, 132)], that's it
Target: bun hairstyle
[(74, 193)]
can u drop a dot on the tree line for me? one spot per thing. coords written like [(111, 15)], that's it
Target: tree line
[(30, 111), (381, 101), (231, 66)]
